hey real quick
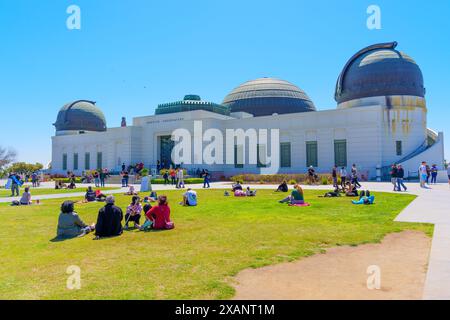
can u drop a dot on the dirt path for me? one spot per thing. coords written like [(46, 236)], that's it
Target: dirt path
[(341, 273)]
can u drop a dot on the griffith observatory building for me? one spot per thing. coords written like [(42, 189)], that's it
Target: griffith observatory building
[(380, 119)]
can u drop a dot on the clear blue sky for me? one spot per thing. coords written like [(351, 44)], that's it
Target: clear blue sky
[(131, 55)]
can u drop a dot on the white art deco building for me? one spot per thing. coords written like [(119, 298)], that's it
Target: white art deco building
[(380, 119)]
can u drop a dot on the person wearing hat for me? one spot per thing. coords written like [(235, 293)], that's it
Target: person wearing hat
[(109, 220)]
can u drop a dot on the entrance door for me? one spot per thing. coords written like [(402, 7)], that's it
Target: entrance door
[(166, 146)]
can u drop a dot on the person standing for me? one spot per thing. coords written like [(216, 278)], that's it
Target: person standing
[(109, 220), (15, 184), (423, 174), (400, 177), (428, 173), (448, 174), (173, 176), (434, 174), (343, 174), (96, 179), (206, 178), (102, 177), (334, 176), (355, 176), (123, 167), (180, 178), (166, 177), (394, 172)]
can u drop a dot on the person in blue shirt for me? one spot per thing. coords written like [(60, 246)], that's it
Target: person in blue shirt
[(190, 198)]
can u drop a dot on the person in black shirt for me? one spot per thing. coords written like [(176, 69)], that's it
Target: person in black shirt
[(393, 173), (400, 176), (109, 220)]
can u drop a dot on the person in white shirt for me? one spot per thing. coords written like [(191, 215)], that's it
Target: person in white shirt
[(190, 198), (343, 174), (423, 174), (180, 178)]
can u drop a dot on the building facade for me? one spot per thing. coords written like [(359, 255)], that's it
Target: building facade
[(380, 119)]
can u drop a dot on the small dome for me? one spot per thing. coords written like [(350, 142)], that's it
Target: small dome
[(266, 96), (379, 70), (81, 115)]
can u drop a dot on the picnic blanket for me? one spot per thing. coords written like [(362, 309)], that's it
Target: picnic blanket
[(300, 205)]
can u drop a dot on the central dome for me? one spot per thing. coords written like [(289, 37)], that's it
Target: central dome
[(266, 96)]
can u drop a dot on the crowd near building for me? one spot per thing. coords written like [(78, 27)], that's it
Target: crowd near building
[(380, 119)]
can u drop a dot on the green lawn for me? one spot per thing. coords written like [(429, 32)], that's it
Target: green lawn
[(211, 243), (4, 193)]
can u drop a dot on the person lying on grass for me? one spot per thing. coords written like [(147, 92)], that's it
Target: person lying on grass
[(365, 198), (109, 220), (189, 198), (159, 216), (133, 212), (283, 187), (69, 223), (296, 197)]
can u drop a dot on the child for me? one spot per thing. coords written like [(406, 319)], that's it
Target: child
[(148, 223)]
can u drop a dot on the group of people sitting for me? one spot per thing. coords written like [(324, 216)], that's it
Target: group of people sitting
[(59, 185), (110, 217), (238, 191)]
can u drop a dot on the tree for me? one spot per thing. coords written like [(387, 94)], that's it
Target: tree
[(24, 168), (6, 157)]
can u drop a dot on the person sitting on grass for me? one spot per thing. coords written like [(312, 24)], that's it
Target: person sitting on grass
[(250, 193), (365, 198), (133, 213), (236, 186), (69, 223), (59, 185), (109, 220), (332, 194), (283, 187), (147, 225), (26, 197), (99, 196), (350, 190), (189, 198), (72, 185), (131, 192), (160, 215), (296, 197), (90, 195)]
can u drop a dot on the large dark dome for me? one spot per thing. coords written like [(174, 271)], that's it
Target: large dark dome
[(266, 96), (379, 70), (81, 115)]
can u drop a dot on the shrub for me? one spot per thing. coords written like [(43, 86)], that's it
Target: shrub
[(278, 178), (186, 181), (292, 182)]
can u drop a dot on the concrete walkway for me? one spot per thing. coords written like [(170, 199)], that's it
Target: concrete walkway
[(431, 206)]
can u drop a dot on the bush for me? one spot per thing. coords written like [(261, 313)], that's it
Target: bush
[(66, 180), (186, 181), (278, 178), (161, 172)]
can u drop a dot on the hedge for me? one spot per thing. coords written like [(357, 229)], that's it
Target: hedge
[(323, 179), (186, 181)]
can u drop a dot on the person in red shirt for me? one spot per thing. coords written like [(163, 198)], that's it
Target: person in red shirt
[(160, 215)]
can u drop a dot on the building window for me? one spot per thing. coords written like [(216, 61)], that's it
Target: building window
[(311, 154), (398, 147), (261, 156), (238, 156), (340, 153), (285, 155), (87, 161), (99, 160), (64, 164), (75, 161)]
